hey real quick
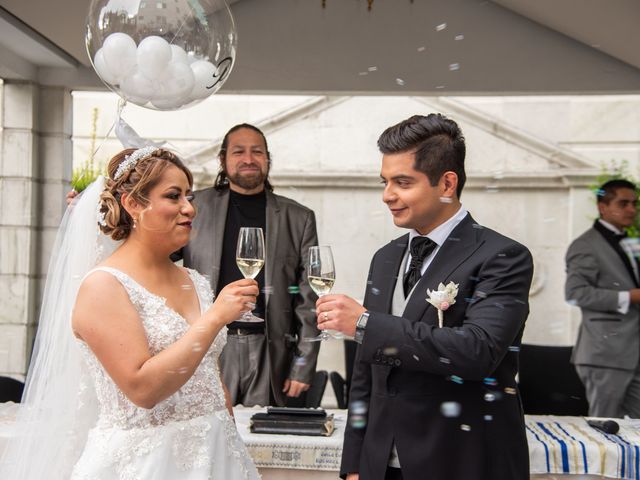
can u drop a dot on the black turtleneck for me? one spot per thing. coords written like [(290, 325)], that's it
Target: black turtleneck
[(243, 211)]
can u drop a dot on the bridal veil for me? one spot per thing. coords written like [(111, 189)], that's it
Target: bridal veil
[(58, 406)]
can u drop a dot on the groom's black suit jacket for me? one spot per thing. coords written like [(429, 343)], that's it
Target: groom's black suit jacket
[(407, 368)]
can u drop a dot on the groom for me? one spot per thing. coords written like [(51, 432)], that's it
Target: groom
[(430, 401)]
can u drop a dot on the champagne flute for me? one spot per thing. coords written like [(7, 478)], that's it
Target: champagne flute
[(321, 274), (250, 259)]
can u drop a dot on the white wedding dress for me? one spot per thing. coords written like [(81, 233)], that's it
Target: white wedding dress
[(188, 436)]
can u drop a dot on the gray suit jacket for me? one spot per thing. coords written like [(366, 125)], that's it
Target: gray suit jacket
[(595, 275), (289, 317)]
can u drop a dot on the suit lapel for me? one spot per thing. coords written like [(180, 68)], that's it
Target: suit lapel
[(273, 226), (461, 244), (217, 225), (389, 275)]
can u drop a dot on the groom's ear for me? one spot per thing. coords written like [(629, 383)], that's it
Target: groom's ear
[(449, 184)]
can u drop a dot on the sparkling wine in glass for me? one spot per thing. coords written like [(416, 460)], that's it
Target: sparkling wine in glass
[(321, 274), (250, 258)]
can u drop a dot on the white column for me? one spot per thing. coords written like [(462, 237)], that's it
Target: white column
[(35, 164)]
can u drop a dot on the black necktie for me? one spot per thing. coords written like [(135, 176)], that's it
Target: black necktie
[(421, 247)]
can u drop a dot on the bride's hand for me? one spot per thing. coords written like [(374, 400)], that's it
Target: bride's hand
[(235, 299)]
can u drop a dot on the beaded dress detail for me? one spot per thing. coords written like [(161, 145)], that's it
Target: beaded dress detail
[(189, 435)]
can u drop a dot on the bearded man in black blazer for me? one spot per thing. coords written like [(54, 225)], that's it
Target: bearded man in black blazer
[(433, 394)]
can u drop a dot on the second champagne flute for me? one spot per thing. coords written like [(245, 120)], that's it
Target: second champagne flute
[(250, 258), (321, 274)]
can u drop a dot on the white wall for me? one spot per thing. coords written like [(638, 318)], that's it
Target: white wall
[(530, 161)]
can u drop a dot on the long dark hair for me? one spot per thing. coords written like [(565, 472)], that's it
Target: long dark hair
[(222, 181)]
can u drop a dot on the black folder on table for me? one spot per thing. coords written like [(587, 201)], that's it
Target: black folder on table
[(293, 421)]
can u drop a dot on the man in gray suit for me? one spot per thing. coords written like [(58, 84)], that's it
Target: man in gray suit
[(263, 362), (602, 279)]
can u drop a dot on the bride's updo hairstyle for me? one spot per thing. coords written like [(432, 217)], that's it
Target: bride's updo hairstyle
[(134, 172)]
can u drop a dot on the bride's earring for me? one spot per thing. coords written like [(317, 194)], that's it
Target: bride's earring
[(135, 223)]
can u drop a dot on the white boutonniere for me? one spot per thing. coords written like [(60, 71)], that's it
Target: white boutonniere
[(442, 298)]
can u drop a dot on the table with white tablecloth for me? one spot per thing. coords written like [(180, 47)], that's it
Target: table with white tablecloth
[(559, 448)]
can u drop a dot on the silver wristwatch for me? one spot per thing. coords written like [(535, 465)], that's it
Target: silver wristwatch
[(361, 325)]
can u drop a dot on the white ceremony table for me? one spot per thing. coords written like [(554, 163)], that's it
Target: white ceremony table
[(560, 448)]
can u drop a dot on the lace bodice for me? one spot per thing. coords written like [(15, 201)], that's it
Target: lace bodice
[(201, 395)]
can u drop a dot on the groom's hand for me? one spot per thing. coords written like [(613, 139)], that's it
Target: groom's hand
[(293, 388), (353, 476), (338, 312)]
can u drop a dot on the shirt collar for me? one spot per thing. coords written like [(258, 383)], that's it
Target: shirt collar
[(608, 226), (442, 231)]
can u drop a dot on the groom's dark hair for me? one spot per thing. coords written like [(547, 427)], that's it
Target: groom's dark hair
[(437, 141)]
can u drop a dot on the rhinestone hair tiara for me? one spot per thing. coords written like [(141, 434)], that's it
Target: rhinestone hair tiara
[(130, 161)]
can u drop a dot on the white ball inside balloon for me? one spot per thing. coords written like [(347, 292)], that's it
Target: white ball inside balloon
[(153, 54), (119, 53), (103, 70), (179, 55), (205, 78), (137, 88)]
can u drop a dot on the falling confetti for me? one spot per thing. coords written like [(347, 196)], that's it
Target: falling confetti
[(400, 81), (454, 66), (465, 428), (372, 69), (293, 289), (422, 49), (357, 416), (441, 27), (450, 409), (459, 37)]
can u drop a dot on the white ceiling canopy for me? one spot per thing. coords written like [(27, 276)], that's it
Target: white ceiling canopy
[(398, 47)]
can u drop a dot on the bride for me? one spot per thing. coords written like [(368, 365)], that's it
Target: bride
[(124, 381)]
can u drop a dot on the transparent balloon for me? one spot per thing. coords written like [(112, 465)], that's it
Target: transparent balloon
[(161, 54)]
